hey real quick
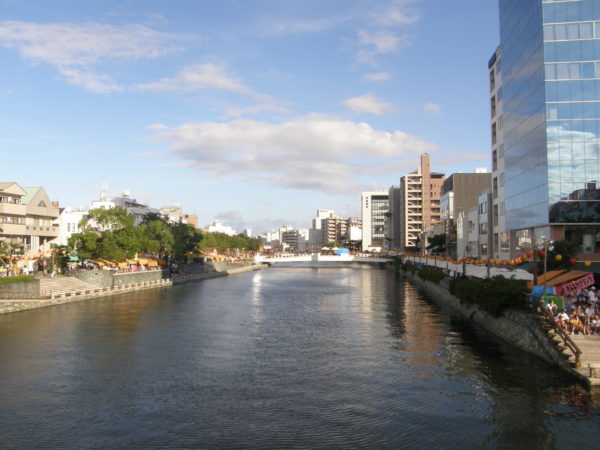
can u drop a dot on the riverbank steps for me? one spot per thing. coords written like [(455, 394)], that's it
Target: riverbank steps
[(61, 295), (519, 329)]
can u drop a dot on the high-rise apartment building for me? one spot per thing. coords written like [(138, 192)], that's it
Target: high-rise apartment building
[(374, 209), (460, 192), (548, 85), (420, 206), (393, 225)]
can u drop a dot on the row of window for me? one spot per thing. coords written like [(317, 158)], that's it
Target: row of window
[(572, 70), (572, 31), (12, 220), (13, 200), (569, 11)]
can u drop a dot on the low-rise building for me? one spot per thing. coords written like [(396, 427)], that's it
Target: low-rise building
[(68, 223), (27, 217)]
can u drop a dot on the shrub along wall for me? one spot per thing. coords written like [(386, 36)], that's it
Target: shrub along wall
[(494, 296)]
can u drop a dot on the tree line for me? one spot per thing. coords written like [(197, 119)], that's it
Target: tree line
[(111, 234)]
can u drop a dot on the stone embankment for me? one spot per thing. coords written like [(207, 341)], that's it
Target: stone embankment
[(519, 329), (71, 289)]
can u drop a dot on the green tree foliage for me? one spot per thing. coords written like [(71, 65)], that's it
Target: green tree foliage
[(493, 296), (437, 244), (566, 249), (185, 239), (112, 219), (85, 243), (430, 274), (153, 217), (222, 240), (156, 237)]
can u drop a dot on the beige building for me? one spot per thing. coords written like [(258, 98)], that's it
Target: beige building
[(420, 193), (27, 216)]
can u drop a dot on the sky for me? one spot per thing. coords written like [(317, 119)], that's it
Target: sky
[(255, 113)]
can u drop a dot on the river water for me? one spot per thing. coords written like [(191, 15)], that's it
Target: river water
[(348, 357)]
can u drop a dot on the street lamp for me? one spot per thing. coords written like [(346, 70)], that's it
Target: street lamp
[(547, 246)]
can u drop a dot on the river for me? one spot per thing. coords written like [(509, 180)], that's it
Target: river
[(350, 357)]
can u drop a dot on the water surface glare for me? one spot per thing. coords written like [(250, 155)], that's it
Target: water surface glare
[(284, 357)]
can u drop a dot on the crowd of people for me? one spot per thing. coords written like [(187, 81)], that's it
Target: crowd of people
[(581, 314)]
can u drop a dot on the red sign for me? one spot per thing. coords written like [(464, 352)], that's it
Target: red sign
[(575, 285)]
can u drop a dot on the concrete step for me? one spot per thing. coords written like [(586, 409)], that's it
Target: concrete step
[(63, 285)]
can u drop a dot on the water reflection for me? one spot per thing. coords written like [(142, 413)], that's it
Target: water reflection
[(279, 358)]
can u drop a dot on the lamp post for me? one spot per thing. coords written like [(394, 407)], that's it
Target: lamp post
[(547, 245)]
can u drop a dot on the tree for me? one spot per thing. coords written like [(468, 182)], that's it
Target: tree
[(156, 237), (566, 249), (112, 219), (85, 243), (185, 239), (437, 244), (153, 217)]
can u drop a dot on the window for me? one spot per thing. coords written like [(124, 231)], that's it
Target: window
[(494, 133), (492, 80), (493, 105), (495, 187), (42, 204), (494, 160)]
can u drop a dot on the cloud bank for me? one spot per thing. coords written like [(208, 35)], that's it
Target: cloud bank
[(313, 152)]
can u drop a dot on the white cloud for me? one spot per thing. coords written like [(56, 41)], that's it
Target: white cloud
[(386, 31), (157, 127), (91, 82), (213, 77), (236, 111), (377, 76), (197, 77), (399, 13), (432, 109), (369, 104), (82, 44), (312, 152), (75, 49)]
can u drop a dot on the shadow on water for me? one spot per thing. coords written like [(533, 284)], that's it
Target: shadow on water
[(531, 399)]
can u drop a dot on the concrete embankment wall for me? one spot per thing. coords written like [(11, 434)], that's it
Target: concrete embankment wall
[(8, 306), (517, 328), (107, 279), (22, 289), (149, 280)]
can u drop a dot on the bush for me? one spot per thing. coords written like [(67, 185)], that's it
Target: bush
[(16, 279), (494, 296), (408, 267), (430, 274)]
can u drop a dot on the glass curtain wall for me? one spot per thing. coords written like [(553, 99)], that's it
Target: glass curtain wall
[(551, 87)]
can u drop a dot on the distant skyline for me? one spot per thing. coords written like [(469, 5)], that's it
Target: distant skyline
[(255, 113)]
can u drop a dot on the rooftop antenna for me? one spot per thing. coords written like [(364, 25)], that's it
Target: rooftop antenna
[(104, 191)]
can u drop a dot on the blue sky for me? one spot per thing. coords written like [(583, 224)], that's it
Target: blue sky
[(254, 112)]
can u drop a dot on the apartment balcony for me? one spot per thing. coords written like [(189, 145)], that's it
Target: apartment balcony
[(14, 209), (12, 229), (43, 231)]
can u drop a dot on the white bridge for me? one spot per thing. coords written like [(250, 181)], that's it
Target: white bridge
[(318, 257)]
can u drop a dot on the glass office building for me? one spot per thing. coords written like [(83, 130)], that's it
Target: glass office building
[(550, 66)]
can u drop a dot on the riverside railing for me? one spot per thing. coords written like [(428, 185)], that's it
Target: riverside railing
[(468, 269), (568, 342)]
